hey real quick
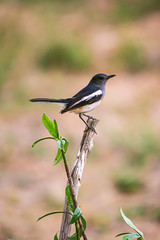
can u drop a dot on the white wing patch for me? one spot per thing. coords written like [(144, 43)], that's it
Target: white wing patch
[(97, 93)]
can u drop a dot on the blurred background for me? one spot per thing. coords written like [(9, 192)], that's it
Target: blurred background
[(52, 49)]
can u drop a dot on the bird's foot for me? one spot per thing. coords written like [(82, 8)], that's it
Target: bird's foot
[(89, 127)]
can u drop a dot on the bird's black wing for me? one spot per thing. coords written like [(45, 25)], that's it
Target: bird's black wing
[(87, 95)]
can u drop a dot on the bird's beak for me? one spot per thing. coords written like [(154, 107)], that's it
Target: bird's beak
[(110, 76)]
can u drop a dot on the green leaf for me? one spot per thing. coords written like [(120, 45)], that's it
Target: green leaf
[(83, 222), (49, 125), (41, 139), (65, 144), (70, 208), (59, 157), (56, 128), (120, 234), (68, 194), (129, 222), (130, 236), (51, 213), (74, 236), (55, 237), (77, 213), (59, 142)]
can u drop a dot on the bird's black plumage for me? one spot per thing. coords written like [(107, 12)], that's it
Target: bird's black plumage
[(77, 100)]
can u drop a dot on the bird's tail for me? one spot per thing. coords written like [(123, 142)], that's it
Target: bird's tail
[(61, 102)]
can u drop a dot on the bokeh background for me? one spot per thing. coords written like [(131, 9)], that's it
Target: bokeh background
[(52, 49)]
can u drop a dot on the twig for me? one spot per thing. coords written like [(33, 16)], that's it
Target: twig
[(77, 232), (76, 175)]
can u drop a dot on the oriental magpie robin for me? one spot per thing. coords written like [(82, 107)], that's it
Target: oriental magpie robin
[(85, 100)]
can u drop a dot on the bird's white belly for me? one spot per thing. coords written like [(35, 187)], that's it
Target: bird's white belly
[(86, 108)]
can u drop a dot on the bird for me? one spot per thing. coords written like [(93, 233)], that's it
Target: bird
[(85, 100)]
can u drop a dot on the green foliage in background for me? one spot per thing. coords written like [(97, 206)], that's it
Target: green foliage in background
[(141, 147), (50, 200), (10, 41), (99, 222), (61, 3), (145, 147), (130, 56), (128, 182), (138, 211), (156, 214), (126, 10), (71, 56)]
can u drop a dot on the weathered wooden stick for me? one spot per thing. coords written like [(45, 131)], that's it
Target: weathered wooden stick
[(77, 171)]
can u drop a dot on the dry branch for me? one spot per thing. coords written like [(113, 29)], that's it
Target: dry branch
[(77, 171)]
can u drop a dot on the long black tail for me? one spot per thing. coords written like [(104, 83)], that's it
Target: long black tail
[(50, 100)]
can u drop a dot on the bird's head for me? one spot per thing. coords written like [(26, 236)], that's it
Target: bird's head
[(101, 78)]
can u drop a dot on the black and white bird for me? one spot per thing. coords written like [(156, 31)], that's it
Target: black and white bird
[(85, 100)]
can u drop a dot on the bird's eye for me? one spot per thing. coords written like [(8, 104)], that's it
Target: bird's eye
[(100, 78)]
